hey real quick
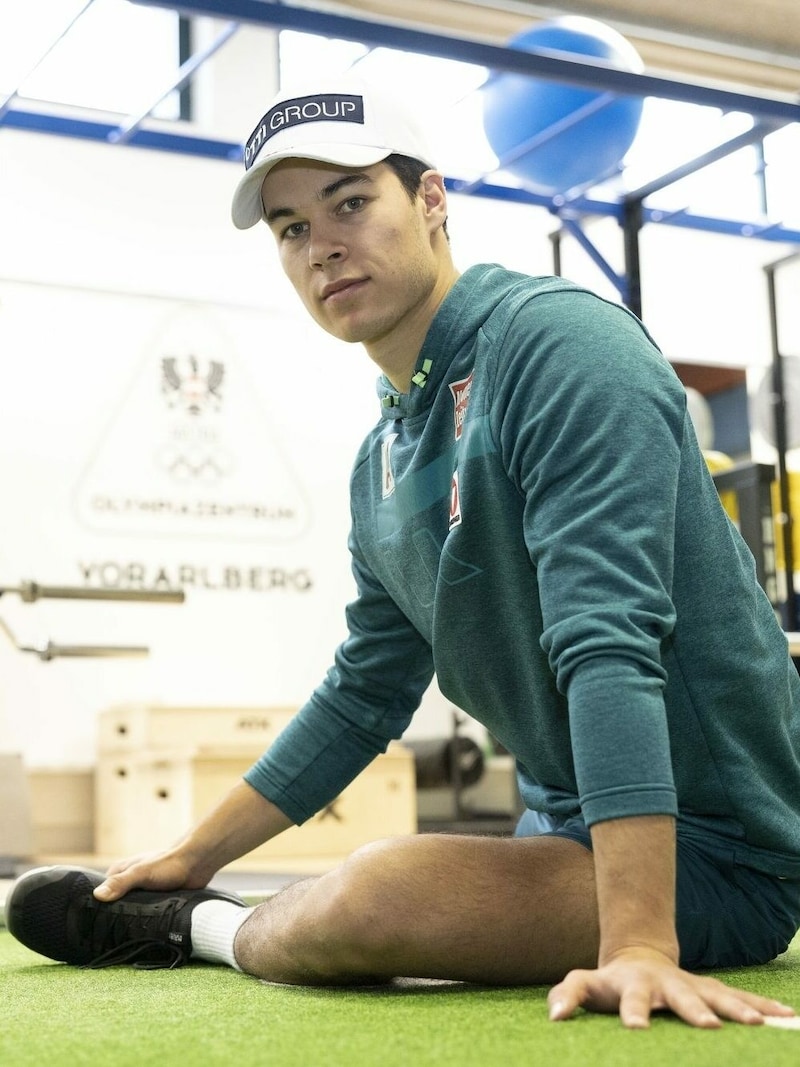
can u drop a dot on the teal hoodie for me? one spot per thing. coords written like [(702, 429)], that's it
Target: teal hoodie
[(534, 522)]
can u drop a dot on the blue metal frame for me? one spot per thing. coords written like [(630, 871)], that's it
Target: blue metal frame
[(585, 72), (107, 132), (768, 113), (583, 205)]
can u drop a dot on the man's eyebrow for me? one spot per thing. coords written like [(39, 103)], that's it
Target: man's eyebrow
[(325, 193), (342, 183)]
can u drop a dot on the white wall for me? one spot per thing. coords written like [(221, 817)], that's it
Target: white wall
[(112, 258)]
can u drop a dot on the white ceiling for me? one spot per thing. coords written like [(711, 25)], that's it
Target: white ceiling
[(753, 44)]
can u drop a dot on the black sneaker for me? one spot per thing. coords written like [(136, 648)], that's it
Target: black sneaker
[(52, 911)]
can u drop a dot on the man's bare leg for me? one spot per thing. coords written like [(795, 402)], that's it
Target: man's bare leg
[(481, 909)]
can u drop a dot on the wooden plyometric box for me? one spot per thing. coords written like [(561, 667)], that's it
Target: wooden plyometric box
[(62, 809), (16, 841), (147, 801), (139, 727)]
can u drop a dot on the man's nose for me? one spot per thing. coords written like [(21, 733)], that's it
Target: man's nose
[(324, 247)]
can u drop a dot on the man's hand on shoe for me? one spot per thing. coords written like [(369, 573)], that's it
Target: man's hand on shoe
[(161, 871)]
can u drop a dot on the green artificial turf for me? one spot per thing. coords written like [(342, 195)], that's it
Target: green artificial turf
[(202, 1016)]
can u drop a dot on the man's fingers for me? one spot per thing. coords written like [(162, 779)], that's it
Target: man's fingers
[(564, 998), (752, 1001), (767, 1006), (635, 1008), (114, 887), (738, 1005), (158, 871), (687, 1002), (580, 989), (121, 877), (584, 989), (636, 992)]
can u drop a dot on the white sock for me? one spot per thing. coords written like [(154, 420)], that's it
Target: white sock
[(215, 924)]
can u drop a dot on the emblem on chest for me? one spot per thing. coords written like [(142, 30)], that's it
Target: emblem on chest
[(387, 475), (460, 392)]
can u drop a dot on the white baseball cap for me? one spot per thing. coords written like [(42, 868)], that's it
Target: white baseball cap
[(343, 121)]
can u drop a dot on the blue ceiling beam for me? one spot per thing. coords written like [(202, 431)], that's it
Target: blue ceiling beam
[(582, 206), (88, 130), (550, 66)]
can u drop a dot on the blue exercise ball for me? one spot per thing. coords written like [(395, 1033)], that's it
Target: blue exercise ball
[(517, 108)]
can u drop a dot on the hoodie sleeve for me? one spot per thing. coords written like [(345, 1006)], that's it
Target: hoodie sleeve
[(591, 420), (380, 673)]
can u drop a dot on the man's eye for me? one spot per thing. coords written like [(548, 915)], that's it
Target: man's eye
[(354, 203), (295, 229)]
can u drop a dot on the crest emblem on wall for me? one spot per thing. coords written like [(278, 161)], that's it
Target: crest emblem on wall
[(192, 384), (189, 450)]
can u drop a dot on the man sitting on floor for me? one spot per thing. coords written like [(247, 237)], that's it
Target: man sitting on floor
[(532, 519)]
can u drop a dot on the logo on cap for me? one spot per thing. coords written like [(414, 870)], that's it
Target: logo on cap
[(328, 107)]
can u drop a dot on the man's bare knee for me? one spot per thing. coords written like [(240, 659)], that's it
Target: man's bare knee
[(329, 930), (357, 912)]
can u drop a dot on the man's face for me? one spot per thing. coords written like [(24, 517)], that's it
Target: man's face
[(356, 249)]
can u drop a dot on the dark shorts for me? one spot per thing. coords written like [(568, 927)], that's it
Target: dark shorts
[(728, 915)]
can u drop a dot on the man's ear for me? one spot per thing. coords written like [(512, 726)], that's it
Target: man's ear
[(434, 196)]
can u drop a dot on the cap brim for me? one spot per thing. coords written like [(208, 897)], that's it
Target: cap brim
[(247, 208)]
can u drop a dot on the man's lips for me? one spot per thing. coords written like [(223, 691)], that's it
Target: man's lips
[(344, 285)]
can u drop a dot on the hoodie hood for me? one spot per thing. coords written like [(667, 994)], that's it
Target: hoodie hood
[(453, 329), (451, 337)]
